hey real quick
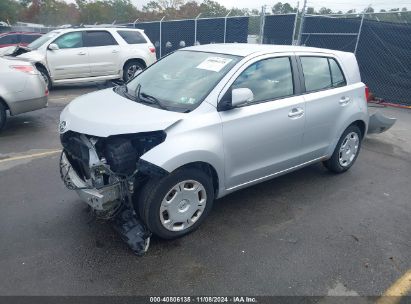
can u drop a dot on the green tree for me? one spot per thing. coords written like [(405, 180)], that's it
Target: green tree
[(9, 10), (212, 8), (325, 11), (283, 8), (310, 11)]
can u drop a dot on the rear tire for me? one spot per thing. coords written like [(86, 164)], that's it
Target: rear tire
[(3, 115), (346, 151), (45, 74), (170, 213), (130, 69)]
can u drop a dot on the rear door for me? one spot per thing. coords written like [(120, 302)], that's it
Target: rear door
[(104, 53), (71, 59), (328, 101)]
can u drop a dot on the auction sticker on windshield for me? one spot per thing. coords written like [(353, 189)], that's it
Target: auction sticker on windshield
[(214, 63)]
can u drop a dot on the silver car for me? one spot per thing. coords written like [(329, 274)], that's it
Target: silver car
[(206, 121), (22, 88)]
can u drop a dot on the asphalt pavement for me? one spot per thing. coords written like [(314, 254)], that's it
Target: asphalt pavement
[(306, 233)]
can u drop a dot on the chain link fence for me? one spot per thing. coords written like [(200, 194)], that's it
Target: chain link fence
[(381, 42), (169, 36)]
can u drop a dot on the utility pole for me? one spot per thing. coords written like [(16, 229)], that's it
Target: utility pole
[(295, 24), (302, 22), (262, 24)]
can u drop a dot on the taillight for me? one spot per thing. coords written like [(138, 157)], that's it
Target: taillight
[(29, 69), (152, 49), (367, 93), (46, 92)]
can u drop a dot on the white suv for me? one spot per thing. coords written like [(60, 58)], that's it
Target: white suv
[(75, 55)]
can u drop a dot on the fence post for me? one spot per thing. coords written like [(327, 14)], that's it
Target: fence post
[(359, 31), (262, 24), (225, 25), (195, 29), (295, 23), (161, 41), (302, 22)]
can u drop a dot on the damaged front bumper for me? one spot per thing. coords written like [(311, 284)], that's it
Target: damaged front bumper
[(99, 199), (109, 202)]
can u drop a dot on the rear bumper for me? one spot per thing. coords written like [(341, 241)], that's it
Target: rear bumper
[(99, 199), (28, 105), (32, 97)]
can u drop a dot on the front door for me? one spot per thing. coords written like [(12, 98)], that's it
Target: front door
[(71, 60), (265, 136)]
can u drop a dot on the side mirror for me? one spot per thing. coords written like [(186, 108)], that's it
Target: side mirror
[(53, 47), (241, 96)]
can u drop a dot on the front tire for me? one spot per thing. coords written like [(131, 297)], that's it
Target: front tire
[(176, 204), (3, 115), (346, 151)]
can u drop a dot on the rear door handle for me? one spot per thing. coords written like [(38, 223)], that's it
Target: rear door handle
[(344, 100), (114, 51), (296, 113), (81, 53)]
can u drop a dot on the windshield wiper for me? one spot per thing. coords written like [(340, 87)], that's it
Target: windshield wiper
[(146, 98)]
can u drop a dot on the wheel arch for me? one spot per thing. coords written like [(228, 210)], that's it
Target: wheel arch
[(361, 125), (139, 60), (209, 169), (356, 120)]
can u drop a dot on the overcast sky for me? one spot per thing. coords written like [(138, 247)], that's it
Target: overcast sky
[(336, 5)]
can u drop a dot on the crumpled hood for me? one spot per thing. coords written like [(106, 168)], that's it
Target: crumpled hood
[(104, 113), (35, 56)]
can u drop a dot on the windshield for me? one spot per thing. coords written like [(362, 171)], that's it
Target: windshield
[(182, 80), (42, 40)]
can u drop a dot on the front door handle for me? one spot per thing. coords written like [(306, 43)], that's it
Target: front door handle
[(81, 53), (114, 51), (296, 113), (344, 100)]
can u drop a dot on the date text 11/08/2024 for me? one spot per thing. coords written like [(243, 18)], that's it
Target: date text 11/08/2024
[(201, 299)]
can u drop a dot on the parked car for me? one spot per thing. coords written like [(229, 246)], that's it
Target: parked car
[(67, 56), (209, 120), (17, 38), (22, 88)]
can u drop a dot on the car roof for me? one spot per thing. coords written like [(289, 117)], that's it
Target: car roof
[(76, 29), (246, 49)]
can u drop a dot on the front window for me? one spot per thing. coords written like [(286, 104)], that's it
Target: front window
[(42, 40), (70, 40), (181, 81), (268, 79)]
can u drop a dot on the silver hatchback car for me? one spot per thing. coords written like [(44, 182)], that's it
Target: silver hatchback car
[(206, 121), (22, 88)]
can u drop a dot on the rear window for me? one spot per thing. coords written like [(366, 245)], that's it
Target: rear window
[(132, 37), (99, 38), (321, 73)]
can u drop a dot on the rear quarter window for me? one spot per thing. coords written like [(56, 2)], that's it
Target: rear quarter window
[(132, 37)]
